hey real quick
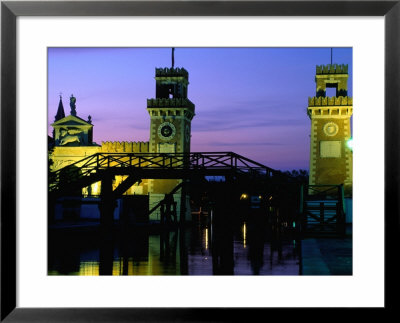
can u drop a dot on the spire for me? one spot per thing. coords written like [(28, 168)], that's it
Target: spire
[(173, 58), (60, 111)]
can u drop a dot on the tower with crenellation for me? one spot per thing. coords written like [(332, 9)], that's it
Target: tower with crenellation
[(331, 158), (171, 113)]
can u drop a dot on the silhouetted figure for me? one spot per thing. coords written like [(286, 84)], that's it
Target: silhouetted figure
[(168, 210), (173, 211), (72, 104)]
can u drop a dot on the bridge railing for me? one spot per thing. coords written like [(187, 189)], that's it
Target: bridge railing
[(322, 209), (324, 192), (94, 164)]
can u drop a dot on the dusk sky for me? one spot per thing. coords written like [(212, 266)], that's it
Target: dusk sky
[(251, 101)]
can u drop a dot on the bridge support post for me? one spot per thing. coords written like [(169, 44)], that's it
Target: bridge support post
[(107, 203), (182, 215), (341, 212)]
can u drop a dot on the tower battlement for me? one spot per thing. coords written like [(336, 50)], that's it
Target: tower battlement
[(332, 69), (166, 71), (125, 146), (330, 157), (169, 103), (330, 101)]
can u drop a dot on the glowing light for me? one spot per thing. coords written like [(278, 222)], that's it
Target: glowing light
[(244, 196), (349, 143), (206, 238), (96, 188), (85, 192), (244, 234)]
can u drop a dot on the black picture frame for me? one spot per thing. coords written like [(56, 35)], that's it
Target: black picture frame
[(10, 10)]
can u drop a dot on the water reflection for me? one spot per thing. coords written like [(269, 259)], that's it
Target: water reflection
[(202, 249)]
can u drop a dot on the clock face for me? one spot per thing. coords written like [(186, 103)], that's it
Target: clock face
[(166, 131), (331, 129)]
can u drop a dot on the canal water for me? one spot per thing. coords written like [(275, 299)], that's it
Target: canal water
[(244, 248)]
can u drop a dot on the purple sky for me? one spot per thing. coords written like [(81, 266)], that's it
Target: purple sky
[(251, 101)]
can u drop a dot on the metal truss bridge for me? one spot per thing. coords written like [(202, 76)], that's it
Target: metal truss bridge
[(139, 166)]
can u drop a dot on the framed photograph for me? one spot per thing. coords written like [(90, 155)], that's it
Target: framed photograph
[(104, 164)]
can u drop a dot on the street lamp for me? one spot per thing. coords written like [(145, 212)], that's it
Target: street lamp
[(349, 144)]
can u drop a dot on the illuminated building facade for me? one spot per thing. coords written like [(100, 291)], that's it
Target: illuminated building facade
[(331, 159), (171, 113)]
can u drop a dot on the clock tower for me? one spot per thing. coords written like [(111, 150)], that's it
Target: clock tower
[(171, 113), (331, 160)]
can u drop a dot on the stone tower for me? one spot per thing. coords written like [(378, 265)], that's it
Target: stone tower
[(171, 113), (330, 158)]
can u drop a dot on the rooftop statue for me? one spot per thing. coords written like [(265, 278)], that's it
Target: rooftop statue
[(72, 104)]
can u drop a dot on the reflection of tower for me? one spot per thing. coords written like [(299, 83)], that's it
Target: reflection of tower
[(171, 113), (330, 157)]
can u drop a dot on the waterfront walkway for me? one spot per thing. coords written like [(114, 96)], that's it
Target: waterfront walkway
[(327, 256)]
